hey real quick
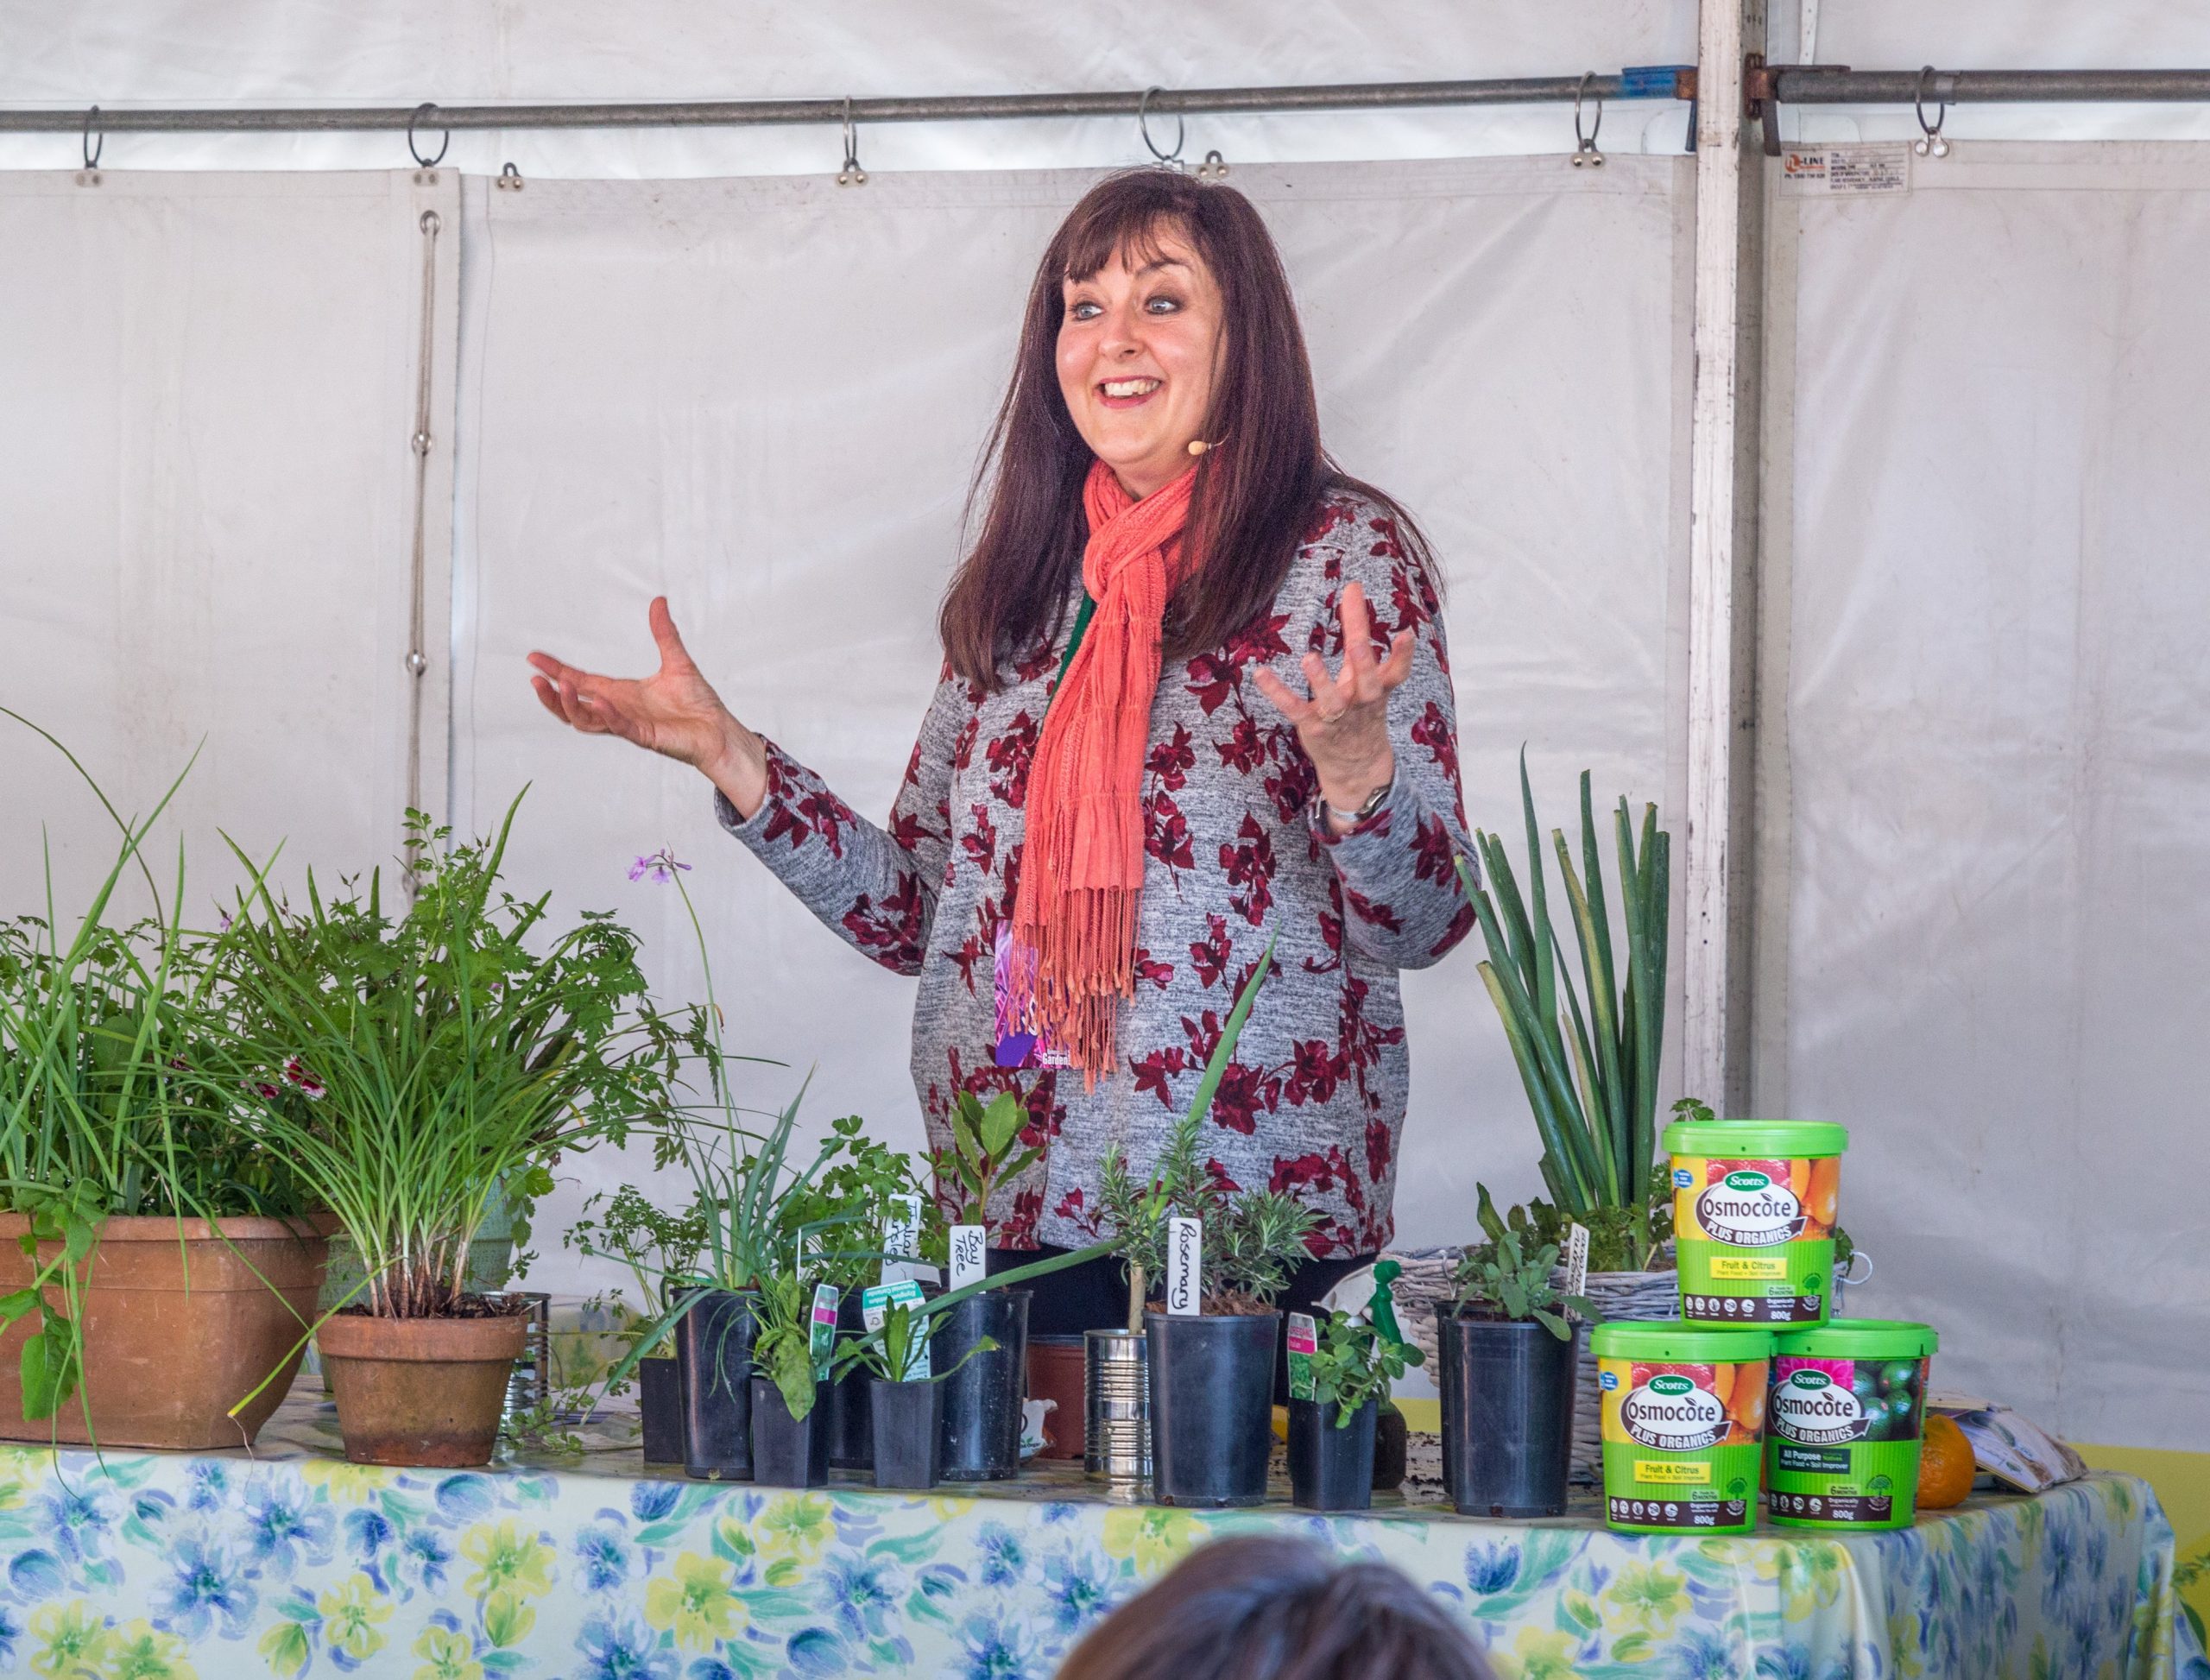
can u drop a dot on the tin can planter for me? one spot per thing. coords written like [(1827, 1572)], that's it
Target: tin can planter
[(1116, 1408), (180, 1324), (1508, 1390), (979, 1438), (906, 1421), (1212, 1393), (1331, 1464), (713, 1359), (421, 1390), (787, 1451)]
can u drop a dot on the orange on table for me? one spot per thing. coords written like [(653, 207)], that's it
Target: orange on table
[(1945, 1464)]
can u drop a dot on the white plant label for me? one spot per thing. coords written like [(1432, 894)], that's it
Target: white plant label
[(1185, 1248), (875, 1301), (1577, 1259), (901, 1235), (970, 1254)]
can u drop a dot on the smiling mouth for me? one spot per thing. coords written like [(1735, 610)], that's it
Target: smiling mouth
[(1127, 392)]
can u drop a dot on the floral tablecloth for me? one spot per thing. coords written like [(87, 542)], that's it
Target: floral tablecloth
[(292, 1562)]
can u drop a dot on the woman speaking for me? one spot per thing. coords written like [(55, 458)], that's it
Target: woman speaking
[(1195, 694)]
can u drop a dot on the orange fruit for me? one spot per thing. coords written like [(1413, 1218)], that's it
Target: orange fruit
[(1944, 1465)]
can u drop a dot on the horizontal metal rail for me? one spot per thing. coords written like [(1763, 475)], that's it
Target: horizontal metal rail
[(1665, 82), (1837, 84)]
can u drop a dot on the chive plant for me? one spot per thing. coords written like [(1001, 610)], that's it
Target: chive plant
[(410, 1063)]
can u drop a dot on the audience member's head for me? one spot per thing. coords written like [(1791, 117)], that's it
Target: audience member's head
[(1263, 1608)]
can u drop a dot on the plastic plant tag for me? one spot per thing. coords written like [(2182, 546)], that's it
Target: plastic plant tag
[(1577, 1259), (821, 1340), (875, 1301), (1303, 1342), (970, 1254), (1186, 1248), (901, 1235)]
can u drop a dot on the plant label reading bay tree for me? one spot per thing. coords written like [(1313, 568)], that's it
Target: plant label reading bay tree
[(970, 1254), (1186, 1248)]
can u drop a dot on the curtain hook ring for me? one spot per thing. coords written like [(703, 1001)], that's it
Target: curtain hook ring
[(851, 174), (93, 147), (1172, 159), (1584, 145), (1929, 142), (421, 110)]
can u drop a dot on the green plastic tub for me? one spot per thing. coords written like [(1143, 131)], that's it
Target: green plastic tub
[(1683, 1426), (1848, 1412), (1754, 1203)]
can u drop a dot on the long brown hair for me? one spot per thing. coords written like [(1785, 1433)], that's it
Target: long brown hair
[(1274, 1607), (1255, 493)]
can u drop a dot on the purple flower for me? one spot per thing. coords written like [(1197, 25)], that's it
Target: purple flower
[(660, 866)]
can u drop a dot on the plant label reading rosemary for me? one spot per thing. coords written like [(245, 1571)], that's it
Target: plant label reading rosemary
[(1303, 1342), (1185, 1248), (970, 1254), (821, 1340), (901, 1235), (1576, 1260)]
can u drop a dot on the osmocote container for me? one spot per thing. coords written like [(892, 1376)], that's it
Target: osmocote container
[(1848, 1411), (1753, 1215), (1683, 1426)]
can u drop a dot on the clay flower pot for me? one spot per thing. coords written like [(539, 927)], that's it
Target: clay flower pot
[(176, 1332), (420, 1391)]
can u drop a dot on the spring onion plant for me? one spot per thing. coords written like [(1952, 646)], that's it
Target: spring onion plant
[(1591, 1076), (410, 1063)]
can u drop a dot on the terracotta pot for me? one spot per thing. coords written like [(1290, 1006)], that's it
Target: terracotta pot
[(420, 1391), (175, 1333), (1055, 1372)]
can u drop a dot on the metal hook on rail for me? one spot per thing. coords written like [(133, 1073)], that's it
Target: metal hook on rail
[(1171, 160), (421, 110), (509, 177), (93, 148), (1215, 168), (1584, 145), (851, 174), (1929, 142)]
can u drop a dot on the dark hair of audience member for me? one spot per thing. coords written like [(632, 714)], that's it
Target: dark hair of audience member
[(1267, 1607)]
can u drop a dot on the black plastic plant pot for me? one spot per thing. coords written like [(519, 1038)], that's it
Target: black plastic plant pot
[(1331, 1466), (979, 1439), (906, 1420), (713, 1362), (851, 1438), (659, 1406), (787, 1451), (1212, 1395), (1507, 1415)]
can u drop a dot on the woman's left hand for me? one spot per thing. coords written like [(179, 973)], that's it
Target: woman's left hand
[(1344, 726)]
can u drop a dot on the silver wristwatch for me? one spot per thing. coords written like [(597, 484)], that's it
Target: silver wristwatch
[(1374, 802)]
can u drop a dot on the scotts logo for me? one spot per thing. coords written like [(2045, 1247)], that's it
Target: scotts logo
[(1748, 1210), (1673, 1415), (1813, 1409)]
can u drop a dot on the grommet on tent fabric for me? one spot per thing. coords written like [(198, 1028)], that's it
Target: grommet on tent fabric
[(1215, 168), (1584, 145), (509, 179), (1929, 142), (425, 109), (851, 174), (1170, 159)]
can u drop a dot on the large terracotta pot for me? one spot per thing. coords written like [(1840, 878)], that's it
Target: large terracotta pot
[(420, 1391), (175, 1333)]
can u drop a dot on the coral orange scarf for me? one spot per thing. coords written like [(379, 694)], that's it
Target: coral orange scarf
[(1074, 922)]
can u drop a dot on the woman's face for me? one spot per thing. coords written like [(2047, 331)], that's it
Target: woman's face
[(1138, 348)]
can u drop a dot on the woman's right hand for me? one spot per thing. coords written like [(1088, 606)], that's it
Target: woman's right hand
[(674, 711)]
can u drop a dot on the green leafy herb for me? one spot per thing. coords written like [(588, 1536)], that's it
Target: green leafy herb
[(1508, 1284), (1355, 1363)]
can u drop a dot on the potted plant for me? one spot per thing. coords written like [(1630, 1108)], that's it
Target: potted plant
[(410, 1063), (1212, 1372), (1335, 1402), (155, 1262), (1508, 1376), (789, 1391), (657, 1246), (1588, 1054)]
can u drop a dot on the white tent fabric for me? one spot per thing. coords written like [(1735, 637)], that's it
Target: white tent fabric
[(1998, 717), (765, 398), (206, 506)]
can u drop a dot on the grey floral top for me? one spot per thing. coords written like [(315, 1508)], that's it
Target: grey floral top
[(1315, 1102)]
